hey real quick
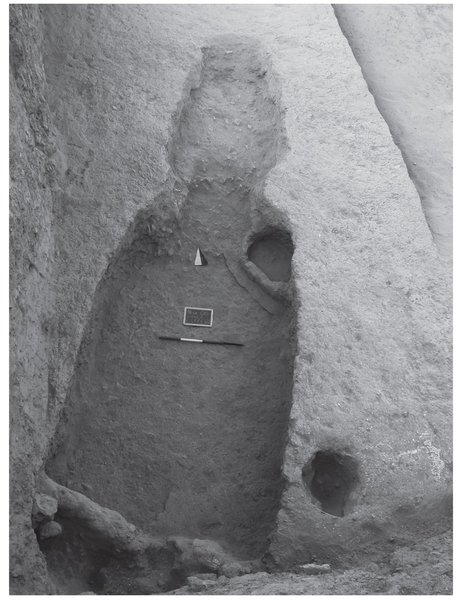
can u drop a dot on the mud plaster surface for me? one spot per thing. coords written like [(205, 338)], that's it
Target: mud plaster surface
[(372, 374)]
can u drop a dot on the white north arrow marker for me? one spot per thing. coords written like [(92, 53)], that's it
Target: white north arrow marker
[(200, 260)]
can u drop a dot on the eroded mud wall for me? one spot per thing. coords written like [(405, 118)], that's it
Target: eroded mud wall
[(188, 438)]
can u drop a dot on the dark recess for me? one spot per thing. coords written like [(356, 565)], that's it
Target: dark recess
[(331, 477), (272, 252)]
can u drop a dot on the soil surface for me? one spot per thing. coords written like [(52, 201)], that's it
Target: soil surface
[(420, 569)]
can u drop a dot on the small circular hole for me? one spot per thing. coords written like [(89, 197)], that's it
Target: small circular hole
[(331, 477)]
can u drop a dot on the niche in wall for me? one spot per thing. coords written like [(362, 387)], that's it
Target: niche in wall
[(272, 251), (331, 477)]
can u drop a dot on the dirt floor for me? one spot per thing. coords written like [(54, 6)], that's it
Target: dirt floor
[(184, 437), (420, 569)]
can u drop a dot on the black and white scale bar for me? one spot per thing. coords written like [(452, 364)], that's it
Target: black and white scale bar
[(180, 339)]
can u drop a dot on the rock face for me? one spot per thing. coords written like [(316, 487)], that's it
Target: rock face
[(102, 167), (32, 326), (405, 53)]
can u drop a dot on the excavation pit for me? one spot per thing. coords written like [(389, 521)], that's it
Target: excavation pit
[(331, 477), (184, 438)]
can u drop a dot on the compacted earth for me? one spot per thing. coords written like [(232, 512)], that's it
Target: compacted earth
[(421, 569)]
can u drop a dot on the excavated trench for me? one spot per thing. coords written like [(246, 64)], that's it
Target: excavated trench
[(188, 438)]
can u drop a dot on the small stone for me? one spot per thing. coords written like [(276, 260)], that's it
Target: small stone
[(205, 576), (49, 529), (234, 569), (196, 584), (313, 569), (44, 508)]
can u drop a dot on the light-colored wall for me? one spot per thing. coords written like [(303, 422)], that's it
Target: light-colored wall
[(405, 53)]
